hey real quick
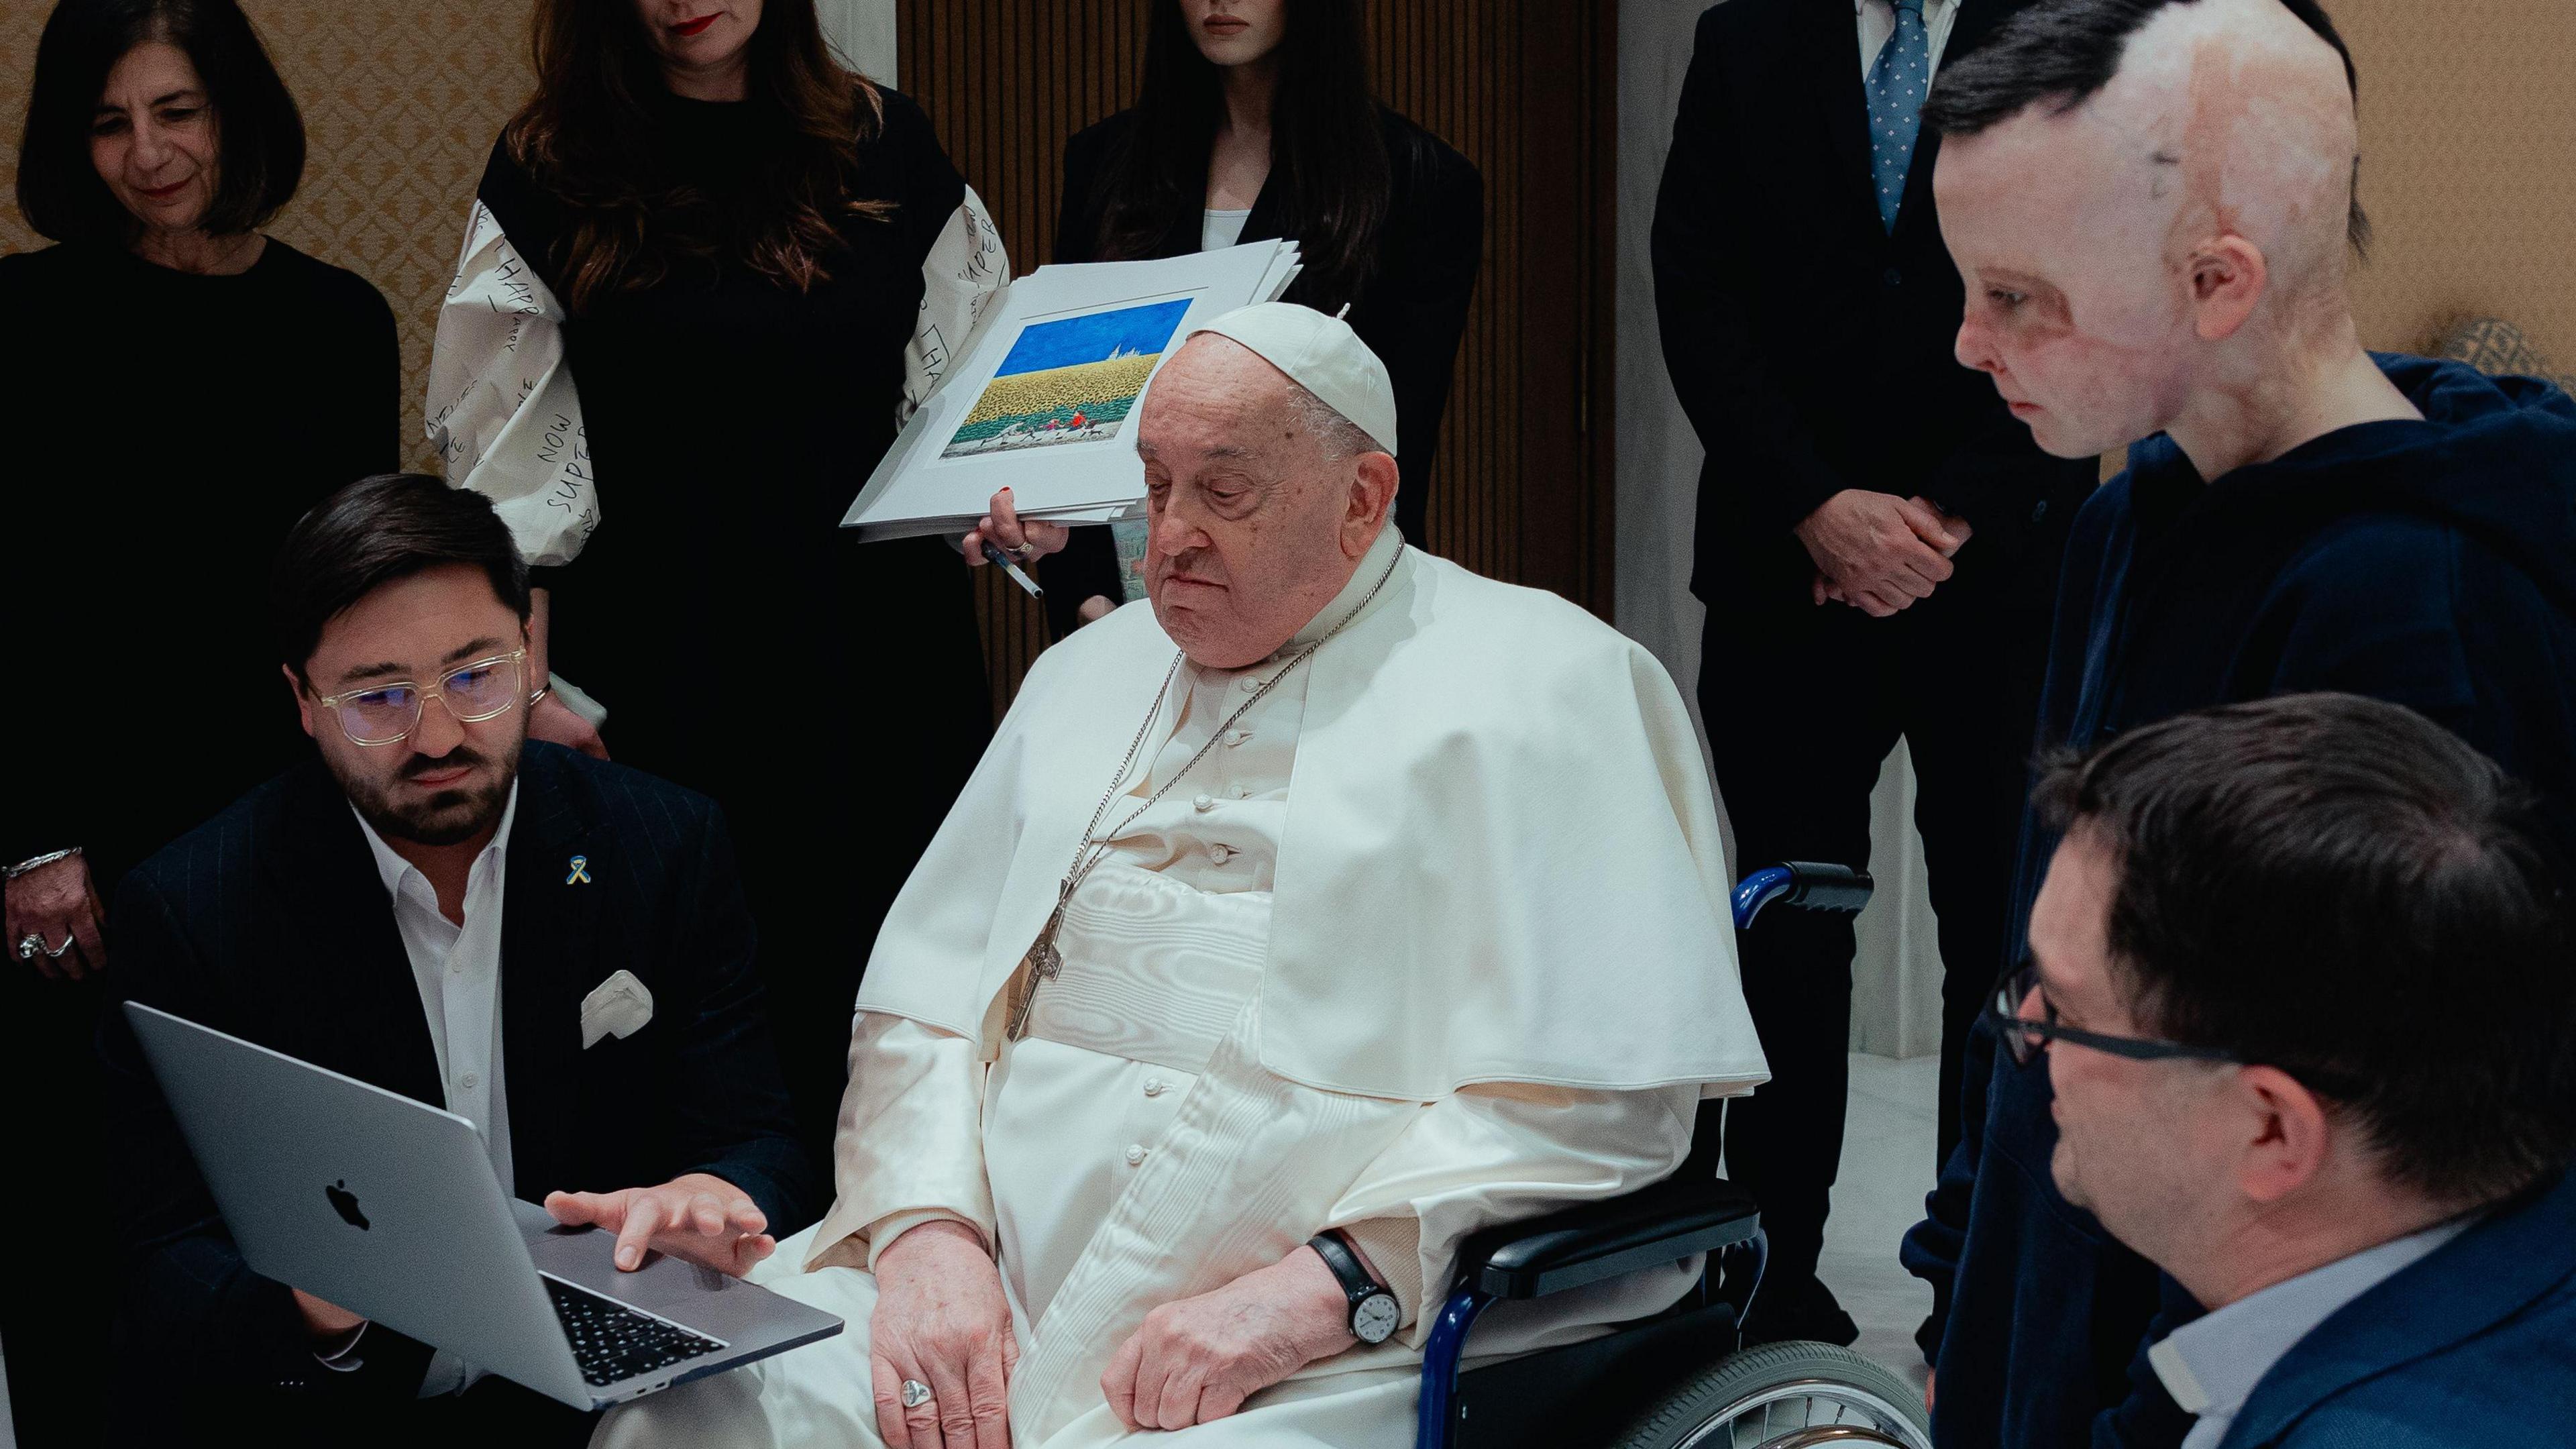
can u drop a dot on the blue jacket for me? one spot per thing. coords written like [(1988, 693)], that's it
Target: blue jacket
[(2429, 563), (2473, 1346)]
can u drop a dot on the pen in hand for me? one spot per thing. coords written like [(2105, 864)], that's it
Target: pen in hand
[(1002, 561)]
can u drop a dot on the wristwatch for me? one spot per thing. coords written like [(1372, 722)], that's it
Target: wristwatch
[(1373, 1309)]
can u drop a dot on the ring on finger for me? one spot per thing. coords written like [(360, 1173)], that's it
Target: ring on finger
[(30, 944), (56, 954), (915, 1393)]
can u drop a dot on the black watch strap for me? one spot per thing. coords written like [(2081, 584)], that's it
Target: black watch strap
[(1373, 1309)]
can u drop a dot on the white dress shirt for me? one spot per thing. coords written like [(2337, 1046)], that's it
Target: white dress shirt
[(1878, 22), (458, 970), (2211, 1365)]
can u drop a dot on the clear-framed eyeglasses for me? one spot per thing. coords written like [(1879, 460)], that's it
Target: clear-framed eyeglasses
[(385, 714)]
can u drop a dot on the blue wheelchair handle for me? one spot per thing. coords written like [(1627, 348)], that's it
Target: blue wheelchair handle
[(1808, 885)]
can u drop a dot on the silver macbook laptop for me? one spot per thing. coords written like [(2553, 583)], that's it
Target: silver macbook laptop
[(388, 1207)]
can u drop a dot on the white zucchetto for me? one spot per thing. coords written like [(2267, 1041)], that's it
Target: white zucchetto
[(1320, 354)]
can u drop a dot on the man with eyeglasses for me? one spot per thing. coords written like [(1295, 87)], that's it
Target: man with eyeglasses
[(2299, 976), (446, 909)]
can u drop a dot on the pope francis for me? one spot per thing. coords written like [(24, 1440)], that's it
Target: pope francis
[(1337, 905)]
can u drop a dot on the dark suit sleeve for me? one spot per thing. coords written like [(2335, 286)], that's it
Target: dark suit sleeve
[(731, 1101), (1718, 366), (1417, 315), (1995, 475), (188, 1305), (2149, 1418), (1931, 1249)]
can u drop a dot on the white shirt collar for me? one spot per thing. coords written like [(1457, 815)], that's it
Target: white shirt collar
[(392, 868), (2212, 1364)]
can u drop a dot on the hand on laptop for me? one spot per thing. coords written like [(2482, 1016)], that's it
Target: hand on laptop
[(696, 1216), (323, 1319)]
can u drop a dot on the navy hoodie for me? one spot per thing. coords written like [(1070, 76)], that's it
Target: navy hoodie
[(2428, 563)]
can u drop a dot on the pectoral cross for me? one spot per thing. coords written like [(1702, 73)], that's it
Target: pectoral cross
[(1041, 962)]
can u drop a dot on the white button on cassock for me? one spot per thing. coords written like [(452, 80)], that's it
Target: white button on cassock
[(1248, 683), (1221, 853), (1236, 737), (1154, 1086), (1204, 802), (469, 1081), (1136, 1156)]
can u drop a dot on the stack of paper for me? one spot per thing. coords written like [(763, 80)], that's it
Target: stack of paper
[(1044, 398)]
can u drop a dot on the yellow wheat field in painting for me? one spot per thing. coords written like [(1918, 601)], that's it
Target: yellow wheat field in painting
[(1086, 384)]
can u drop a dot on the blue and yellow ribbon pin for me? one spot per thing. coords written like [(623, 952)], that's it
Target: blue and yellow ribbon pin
[(580, 871)]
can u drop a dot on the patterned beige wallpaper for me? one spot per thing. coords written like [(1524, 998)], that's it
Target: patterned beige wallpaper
[(2468, 138), (401, 102)]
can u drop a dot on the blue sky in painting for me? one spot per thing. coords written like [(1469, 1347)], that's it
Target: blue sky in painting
[(1093, 338)]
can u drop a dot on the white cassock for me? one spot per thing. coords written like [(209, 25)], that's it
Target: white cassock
[(1434, 937)]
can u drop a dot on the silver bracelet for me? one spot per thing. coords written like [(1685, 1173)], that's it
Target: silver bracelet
[(39, 862)]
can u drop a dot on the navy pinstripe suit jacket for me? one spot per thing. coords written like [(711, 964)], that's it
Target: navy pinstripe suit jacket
[(270, 922)]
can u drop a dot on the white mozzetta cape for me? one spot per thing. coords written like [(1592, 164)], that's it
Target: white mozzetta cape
[(1501, 862)]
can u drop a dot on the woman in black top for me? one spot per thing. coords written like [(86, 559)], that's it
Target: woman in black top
[(191, 385), (691, 303), (1255, 122), (186, 386)]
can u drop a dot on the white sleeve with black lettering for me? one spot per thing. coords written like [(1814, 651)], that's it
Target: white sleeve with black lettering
[(501, 406)]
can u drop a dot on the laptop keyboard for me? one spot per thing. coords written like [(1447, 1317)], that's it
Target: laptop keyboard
[(613, 1342)]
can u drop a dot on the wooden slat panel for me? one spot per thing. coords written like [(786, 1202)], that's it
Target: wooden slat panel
[(1521, 87)]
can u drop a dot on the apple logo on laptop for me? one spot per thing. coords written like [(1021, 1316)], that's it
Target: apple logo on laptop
[(345, 1203)]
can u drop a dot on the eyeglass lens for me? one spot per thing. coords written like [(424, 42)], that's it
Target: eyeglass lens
[(2009, 996), (479, 691)]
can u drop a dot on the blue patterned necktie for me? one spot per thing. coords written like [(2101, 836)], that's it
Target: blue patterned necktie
[(1897, 81)]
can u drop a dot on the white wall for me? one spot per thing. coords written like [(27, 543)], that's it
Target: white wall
[(1896, 1003), (863, 32)]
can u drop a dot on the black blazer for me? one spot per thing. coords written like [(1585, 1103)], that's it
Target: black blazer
[(270, 922), (1810, 347), (1411, 313)]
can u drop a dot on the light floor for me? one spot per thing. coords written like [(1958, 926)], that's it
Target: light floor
[(1887, 1167)]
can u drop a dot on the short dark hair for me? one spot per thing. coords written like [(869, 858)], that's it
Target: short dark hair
[(2341, 888), (378, 530), (2062, 52), (260, 146)]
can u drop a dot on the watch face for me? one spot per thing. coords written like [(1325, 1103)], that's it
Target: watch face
[(1374, 1320)]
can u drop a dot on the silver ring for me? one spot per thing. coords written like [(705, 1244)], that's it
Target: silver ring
[(56, 954), (915, 1393), (28, 945), (1024, 552)]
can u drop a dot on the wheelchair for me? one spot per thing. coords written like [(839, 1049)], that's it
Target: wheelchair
[(1679, 1379)]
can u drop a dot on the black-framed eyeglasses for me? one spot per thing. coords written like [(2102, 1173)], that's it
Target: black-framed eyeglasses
[(2024, 1036)]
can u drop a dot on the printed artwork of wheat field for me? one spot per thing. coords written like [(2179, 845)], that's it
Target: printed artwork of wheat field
[(1068, 380)]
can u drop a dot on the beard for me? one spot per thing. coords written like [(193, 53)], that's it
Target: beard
[(448, 817)]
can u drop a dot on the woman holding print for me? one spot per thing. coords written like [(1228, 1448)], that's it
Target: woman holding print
[(707, 268), (1254, 122)]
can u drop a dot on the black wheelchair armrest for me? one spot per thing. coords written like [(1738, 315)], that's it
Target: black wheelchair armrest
[(1593, 1241)]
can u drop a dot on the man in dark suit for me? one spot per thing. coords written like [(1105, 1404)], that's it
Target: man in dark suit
[(1877, 541), (2298, 975), (551, 946)]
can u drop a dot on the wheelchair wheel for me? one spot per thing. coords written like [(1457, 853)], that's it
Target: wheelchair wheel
[(1785, 1396)]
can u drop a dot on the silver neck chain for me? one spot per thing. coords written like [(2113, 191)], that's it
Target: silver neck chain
[(1094, 847)]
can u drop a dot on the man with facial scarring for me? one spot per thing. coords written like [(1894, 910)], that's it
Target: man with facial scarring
[(2151, 205)]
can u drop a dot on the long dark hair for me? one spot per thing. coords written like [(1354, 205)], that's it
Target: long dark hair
[(1329, 173), (591, 137), (259, 136)]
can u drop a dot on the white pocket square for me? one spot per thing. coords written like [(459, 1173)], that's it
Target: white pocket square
[(618, 1007)]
